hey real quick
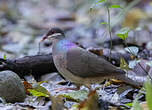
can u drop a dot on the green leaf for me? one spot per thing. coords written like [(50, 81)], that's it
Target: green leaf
[(136, 105), (103, 23), (39, 91), (100, 1), (4, 56), (123, 33), (132, 49), (148, 87), (115, 6), (76, 95), (129, 104), (123, 64), (36, 93)]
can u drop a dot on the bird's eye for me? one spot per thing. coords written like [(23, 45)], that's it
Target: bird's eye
[(52, 32)]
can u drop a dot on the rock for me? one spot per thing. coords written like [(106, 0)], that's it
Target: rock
[(11, 87)]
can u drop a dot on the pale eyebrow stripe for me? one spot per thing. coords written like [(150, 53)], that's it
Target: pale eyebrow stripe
[(56, 34)]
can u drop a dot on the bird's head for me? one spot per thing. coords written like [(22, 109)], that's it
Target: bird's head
[(53, 33)]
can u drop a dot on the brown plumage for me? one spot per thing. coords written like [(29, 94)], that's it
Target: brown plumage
[(79, 65)]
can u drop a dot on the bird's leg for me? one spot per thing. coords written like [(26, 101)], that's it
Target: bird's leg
[(88, 86), (105, 84), (96, 88), (66, 88)]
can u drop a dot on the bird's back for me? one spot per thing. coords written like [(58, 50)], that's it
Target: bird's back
[(80, 62)]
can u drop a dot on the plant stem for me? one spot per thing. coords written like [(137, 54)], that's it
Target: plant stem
[(109, 29), (128, 48)]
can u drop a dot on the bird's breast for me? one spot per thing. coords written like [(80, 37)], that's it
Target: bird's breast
[(63, 46), (59, 60)]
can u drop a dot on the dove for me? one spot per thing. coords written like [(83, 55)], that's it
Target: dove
[(79, 65)]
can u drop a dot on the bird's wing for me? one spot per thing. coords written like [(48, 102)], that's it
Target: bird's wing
[(81, 62)]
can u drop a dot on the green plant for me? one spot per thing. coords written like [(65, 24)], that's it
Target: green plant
[(122, 34), (133, 50), (148, 89), (108, 5)]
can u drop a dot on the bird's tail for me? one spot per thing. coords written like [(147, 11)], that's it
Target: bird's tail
[(129, 81)]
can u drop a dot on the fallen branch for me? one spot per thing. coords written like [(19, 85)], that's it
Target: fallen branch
[(39, 65), (36, 65)]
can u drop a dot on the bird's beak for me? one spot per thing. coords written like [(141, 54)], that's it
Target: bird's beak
[(43, 38)]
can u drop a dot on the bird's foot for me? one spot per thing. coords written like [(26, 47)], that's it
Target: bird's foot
[(65, 89)]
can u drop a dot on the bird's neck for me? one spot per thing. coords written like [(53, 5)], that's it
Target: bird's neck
[(62, 45)]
